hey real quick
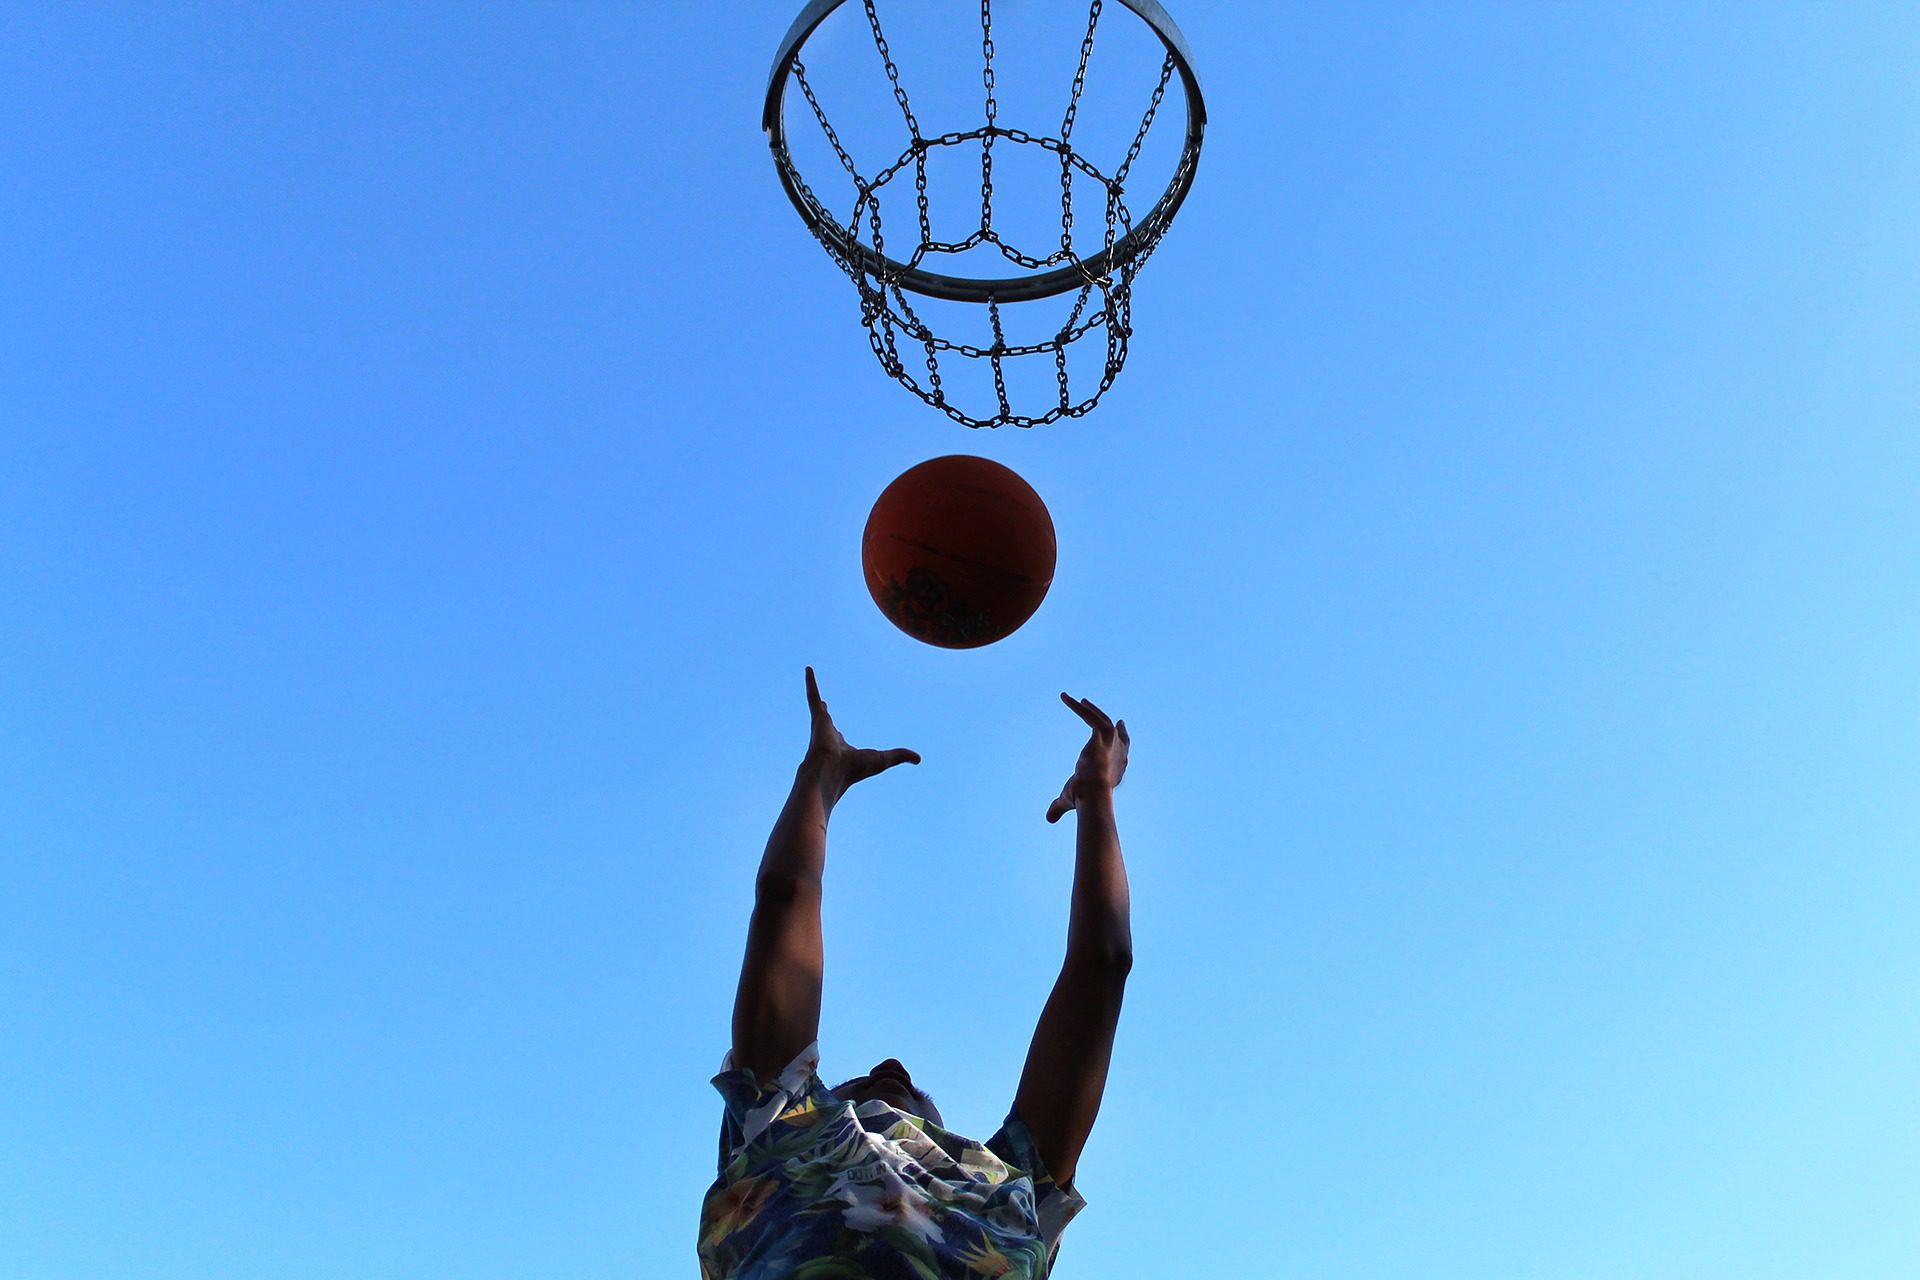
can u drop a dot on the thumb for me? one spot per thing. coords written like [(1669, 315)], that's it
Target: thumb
[(867, 762), (1062, 805)]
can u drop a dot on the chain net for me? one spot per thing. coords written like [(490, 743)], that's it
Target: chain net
[(1101, 281)]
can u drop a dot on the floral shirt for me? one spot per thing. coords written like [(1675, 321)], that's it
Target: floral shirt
[(815, 1188)]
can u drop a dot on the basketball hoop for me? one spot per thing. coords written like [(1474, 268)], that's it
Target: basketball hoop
[(1102, 279)]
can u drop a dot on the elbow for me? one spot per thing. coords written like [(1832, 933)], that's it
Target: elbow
[(779, 891), (1108, 962), (1115, 951)]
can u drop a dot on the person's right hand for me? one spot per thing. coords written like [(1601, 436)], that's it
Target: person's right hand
[(1102, 762), (838, 765)]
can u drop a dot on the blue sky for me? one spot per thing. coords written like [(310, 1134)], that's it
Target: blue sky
[(432, 449)]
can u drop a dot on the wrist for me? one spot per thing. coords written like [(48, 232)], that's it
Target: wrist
[(819, 775), (1095, 798)]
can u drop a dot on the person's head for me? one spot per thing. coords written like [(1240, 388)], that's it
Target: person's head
[(890, 1083)]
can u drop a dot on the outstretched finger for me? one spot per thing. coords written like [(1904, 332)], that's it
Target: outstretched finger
[(899, 755), (813, 692), (1082, 708), (1093, 715)]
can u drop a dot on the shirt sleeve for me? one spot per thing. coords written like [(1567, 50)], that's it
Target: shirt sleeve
[(753, 1104), (1055, 1205)]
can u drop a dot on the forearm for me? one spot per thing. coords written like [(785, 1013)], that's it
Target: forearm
[(776, 1010), (1066, 1071), (1099, 928), (795, 858)]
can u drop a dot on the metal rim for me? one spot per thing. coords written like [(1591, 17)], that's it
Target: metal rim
[(1044, 284)]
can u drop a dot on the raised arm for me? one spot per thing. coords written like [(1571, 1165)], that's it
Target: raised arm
[(1066, 1070), (776, 1011)]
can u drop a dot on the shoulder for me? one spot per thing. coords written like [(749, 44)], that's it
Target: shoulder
[(756, 1106), (1054, 1204)]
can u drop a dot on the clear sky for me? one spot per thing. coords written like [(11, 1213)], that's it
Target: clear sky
[(430, 449)]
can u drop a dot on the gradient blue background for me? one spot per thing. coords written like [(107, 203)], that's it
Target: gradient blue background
[(432, 449)]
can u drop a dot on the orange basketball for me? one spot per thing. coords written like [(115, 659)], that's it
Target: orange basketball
[(959, 551)]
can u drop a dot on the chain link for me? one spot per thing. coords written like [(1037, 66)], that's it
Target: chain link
[(1080, 72), (1146, 121), (993, 114), (997, 355), (893, 72), (1066, 130), (826, 126)]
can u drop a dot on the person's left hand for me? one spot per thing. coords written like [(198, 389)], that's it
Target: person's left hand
[(1102, 762)]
